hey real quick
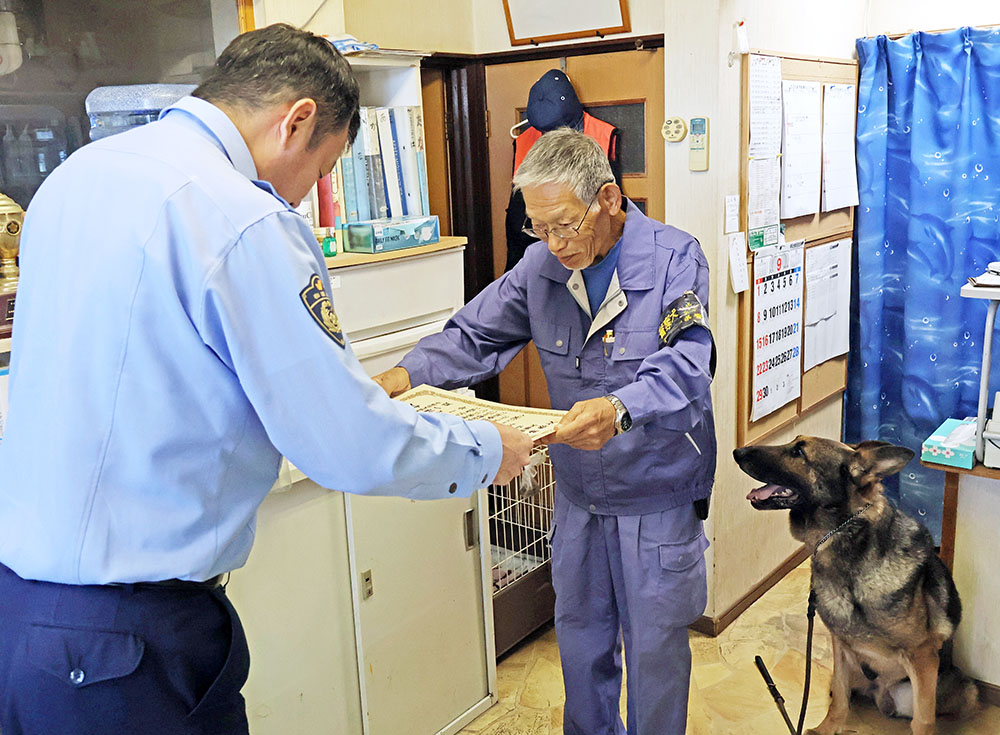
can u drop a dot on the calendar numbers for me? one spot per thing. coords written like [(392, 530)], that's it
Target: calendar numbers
[(777, 325)]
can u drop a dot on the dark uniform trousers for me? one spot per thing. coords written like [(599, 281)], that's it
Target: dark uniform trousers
[(119, 659)]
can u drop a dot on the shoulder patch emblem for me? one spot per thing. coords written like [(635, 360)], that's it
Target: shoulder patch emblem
[(683, 313), (319, 305)]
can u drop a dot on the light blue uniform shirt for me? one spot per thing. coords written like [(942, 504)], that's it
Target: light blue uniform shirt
[(164, 359)]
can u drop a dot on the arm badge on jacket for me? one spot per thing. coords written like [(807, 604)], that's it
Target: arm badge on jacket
[(683, 313), (318, 303)]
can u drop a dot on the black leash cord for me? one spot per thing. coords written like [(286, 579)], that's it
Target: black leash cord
[(811, 614), (775, 694)]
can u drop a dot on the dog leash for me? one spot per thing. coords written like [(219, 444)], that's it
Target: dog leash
[(811, 615)]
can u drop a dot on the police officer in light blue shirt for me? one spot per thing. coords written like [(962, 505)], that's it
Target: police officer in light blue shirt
[(174, 337)]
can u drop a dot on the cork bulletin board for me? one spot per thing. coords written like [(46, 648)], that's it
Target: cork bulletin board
[(828, 379)]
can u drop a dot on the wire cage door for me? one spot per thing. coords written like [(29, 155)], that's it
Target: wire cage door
[(520, 521)]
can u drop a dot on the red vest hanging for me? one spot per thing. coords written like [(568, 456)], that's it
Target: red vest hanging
[(596, 129)]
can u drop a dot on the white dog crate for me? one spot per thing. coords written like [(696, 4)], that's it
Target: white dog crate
[(520, 519)]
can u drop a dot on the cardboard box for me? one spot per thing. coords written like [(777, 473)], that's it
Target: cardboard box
[(952, 443), (378, 236)]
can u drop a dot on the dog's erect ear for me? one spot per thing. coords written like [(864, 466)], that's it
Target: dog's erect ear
[(874, 460)]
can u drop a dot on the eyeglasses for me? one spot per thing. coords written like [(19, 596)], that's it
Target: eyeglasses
[(563, 232)]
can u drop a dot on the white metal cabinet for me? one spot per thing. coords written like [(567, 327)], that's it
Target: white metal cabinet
[(416, 656), (294, 598), (382, 298), (425, 643)]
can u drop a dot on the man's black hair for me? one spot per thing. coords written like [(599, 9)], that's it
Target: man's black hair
[(279, 63)]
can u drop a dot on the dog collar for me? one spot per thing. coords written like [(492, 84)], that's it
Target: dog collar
[(831, 533)]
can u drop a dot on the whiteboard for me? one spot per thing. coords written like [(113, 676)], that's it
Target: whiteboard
[(531, 21)]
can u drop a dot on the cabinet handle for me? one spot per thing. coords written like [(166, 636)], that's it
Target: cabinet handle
[(471, 528)]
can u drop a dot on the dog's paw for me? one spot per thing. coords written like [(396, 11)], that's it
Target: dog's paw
[(827, 727)]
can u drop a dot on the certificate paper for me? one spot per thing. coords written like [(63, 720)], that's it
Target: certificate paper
[(535, 422)]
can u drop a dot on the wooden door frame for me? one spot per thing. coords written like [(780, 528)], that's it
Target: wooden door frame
[(244, 11)]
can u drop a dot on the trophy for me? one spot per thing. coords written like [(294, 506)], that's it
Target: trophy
[(11, 218)]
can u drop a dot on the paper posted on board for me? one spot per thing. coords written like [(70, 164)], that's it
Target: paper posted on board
[(764, 88), (763, 201), (801, 154), (840, 172), (828, 302)]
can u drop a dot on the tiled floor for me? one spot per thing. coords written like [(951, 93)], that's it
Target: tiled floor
[(728, 696)]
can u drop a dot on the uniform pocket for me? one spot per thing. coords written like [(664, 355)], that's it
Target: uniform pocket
[(682, 555), (80, 657), (682, 580), (236, 667), (553, 338), (637, 345)]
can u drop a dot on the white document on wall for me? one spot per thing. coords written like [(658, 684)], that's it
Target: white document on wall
[(763, 201), (801, 153), (828, 302), (738, 272), (840, 171), (764, 88), (777, 327), (732, 223)]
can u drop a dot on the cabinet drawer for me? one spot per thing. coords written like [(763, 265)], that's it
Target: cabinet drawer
[(379, 298), (383, 352)]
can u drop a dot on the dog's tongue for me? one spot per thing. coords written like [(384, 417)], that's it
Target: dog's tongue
[(763, 493)]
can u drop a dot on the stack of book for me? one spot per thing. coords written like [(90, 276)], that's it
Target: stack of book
[(379, 185)]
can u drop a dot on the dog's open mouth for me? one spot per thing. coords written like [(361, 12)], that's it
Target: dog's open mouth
[(770, 493)]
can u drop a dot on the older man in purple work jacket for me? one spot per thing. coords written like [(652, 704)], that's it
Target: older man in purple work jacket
[(615, 303)]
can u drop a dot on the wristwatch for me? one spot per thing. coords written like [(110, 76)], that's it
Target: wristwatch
[(623, 422)]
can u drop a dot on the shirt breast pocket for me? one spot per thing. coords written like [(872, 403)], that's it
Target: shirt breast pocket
[(632, 347), (553, 343), (552, 338)]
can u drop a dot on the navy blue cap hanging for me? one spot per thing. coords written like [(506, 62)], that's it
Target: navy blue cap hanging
[(552, 103)]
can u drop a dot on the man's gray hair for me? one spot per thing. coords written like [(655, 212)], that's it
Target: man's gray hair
[(565, 156)]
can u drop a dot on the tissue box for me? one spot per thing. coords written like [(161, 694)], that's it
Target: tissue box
[(378, 236), (958, 450)]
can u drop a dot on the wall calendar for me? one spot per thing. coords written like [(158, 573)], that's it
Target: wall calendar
[(777, 327)]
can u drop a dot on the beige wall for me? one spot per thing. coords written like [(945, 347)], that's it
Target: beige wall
[(320, 16), (747, 545), (929, 15), (421, 25), (460, 26), (491, 24)]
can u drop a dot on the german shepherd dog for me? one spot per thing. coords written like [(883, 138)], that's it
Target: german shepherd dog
[(887, 599)]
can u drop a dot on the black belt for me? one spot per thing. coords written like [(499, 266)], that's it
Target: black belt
[(219, 580)]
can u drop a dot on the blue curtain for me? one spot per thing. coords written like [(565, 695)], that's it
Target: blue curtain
[(929, 217)]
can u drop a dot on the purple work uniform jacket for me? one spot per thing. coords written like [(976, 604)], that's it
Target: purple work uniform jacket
[(667, 459)]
